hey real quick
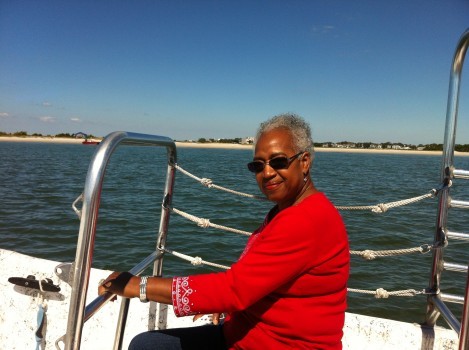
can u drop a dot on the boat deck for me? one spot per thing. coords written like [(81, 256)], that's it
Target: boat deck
[(19, 307)]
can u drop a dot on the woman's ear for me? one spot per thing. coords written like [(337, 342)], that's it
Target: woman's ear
[(306, 162)]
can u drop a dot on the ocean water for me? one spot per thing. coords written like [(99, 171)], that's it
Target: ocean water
[(39, 183)]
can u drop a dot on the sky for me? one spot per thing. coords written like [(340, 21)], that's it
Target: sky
[(359, 71)]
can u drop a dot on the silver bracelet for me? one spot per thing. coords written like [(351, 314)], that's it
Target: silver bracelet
[(143, 289)]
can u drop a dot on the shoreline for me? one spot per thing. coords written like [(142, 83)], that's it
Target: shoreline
[(179, 144), (44, 139)]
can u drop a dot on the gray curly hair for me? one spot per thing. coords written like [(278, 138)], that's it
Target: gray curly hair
[(296, 125)]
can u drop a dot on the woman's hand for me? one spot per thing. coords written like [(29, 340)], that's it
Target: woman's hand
[(121, 283), (216, 317)]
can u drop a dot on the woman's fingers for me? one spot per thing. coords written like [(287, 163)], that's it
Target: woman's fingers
[(215, 317), (196, 317), (115, 283)]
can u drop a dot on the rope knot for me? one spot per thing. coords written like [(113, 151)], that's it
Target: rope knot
[(197, 261), (425, 248), (206, 182), (204, 223), (380, 208), (368, 255), (381, 293)]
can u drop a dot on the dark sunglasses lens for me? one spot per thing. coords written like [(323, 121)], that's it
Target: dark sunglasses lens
[(256, 166), (279, 163)]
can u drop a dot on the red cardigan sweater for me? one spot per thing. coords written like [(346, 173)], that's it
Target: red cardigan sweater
[(288, 289)]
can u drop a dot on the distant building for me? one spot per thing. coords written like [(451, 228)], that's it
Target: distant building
[(247, 140), (346, 145)]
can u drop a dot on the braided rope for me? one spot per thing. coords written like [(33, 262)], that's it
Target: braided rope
[(365, 254), (194, 261), (373, 254), (377, 208), (381, 293), (204, 223), (209, 184), (383, 207)]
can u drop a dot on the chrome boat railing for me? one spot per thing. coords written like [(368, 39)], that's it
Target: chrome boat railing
[(436, 300), (86, 238)]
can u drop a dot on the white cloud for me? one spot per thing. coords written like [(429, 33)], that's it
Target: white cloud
[(47, 119), (75, 120), (323, 29), (46, 104), (4, 115)]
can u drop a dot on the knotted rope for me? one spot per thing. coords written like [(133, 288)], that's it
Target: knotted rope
[(381, 293), (373, 254), (195, 260), (377, 208), (365, 254), (206, 222), (383, 207), (209, 184)]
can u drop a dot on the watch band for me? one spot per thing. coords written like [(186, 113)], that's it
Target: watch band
[(143, 289)]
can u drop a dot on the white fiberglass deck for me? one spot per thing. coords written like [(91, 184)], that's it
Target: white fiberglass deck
[(19, 306)]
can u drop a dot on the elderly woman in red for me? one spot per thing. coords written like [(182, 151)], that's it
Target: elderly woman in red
[(288, 288)]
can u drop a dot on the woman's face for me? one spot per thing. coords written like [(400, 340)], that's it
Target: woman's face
[(282, 186)]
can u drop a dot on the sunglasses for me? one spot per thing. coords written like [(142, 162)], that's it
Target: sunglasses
[(276, 163)]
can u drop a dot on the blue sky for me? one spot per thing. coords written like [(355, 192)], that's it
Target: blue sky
[(362, 70)]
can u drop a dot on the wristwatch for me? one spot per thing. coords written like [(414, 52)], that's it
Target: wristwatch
[(143, 289)]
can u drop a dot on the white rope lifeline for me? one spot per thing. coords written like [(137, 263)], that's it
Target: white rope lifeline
[(383, 207), (381, 293), (365, 254), (194, 261), (209, 184), (206, 222), (373, 254), (377, 208)]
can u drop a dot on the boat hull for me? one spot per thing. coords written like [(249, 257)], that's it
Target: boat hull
[(19, 309)]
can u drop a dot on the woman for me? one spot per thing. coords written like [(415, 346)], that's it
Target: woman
[(288, 288)]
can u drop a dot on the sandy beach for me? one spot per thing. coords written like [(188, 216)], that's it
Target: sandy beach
[(45, 139), (230, 146)]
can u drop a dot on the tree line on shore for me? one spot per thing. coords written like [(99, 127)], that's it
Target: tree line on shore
[(25, 134), (347, 144), (391, 145)]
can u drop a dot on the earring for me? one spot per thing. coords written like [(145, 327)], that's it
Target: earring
[(305, 178)]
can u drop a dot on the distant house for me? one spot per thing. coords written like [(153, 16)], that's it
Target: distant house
[(346, 145), (247, 140), (329, 145)]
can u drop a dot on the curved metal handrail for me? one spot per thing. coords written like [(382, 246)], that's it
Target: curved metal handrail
[(88, 222), (435, 305)]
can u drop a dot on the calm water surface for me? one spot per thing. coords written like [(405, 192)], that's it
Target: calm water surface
[(39, 182)]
